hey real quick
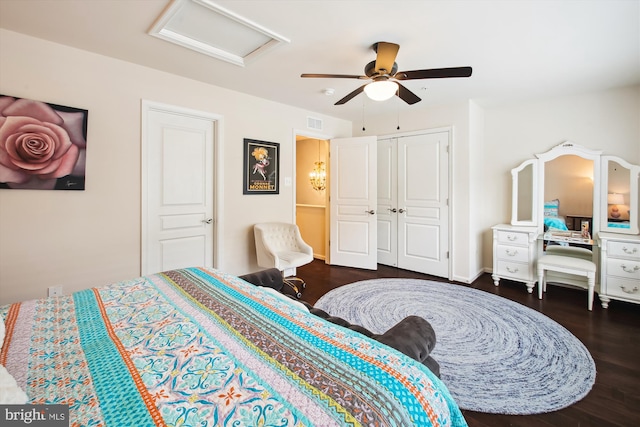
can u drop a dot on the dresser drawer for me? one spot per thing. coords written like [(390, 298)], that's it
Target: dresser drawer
[(623, 288), (513, 253), (513, 270), (512, 238), (626, 269), (624, 250)]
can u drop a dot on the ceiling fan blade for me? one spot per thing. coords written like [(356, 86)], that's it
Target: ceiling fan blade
[(334, 76), (350, 96), (407, 96), (387, 53), (434, 73)]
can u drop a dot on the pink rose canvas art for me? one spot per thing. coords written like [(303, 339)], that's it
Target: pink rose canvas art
[(42, 146)]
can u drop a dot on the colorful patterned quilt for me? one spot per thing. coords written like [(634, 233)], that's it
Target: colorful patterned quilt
[(198, 347)]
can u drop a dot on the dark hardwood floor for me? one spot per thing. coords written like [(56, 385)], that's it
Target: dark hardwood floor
[(612, 337)]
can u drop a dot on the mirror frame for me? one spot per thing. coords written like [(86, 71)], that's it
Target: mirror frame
[(568, 148), (634, 175), (534, 193)]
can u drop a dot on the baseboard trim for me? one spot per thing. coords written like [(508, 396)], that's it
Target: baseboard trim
[(473, 278)]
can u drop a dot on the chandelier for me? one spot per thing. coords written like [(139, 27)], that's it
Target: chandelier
[(318, 176)]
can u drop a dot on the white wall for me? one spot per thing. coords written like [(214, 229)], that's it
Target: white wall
[(92, 237), (477, 189)]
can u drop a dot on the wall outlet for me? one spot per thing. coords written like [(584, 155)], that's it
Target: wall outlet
[(55, 291)]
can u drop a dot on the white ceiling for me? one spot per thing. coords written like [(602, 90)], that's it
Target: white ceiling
[(519, 50)]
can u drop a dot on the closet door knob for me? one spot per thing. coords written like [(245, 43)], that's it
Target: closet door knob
[(208, 220), (394, 210), (402, 210), (371, 212)]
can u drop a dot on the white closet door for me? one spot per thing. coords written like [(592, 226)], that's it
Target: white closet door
[(423, 192), (387, 202)]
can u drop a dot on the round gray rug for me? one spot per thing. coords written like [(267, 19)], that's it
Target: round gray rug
[(495, 355)]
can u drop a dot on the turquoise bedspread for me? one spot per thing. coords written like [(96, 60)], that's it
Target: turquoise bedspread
[(198, 347)]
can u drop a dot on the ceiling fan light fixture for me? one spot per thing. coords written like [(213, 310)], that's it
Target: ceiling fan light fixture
[(381, 90), (386, 78)]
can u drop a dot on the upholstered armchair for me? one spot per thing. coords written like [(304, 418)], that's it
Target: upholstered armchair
[(280, 245)]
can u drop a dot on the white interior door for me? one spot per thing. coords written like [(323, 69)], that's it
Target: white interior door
[(423, 203), (353, 190), (387, 202), (178, 196)]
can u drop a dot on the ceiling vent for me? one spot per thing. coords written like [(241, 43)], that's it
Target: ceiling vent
[(205, 27), (313, 123)]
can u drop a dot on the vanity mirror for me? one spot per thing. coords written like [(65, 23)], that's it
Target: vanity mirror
[(619, 193), (523, 192), (558, 189), (569, 179), (575, 184)]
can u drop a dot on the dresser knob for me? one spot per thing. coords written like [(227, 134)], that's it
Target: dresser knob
[(633, 291), (630, 252), (512, 252)]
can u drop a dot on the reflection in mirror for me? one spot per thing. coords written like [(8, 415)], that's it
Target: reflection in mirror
[(525, 199), (523, 194), (618, 193), (568, 191)]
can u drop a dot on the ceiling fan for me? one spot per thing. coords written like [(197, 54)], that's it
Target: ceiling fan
[(385, 77)]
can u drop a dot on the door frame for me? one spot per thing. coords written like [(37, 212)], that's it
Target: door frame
[(218, 173), (450, 176), (325, 137)]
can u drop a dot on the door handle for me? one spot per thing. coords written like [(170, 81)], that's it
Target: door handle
[(208, 220), (394, 210), (402, 210), (371, 212)]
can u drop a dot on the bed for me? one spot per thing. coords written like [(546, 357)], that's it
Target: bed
[(201, 347)]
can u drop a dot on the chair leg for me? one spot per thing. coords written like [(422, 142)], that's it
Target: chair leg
[(294, 289), (301, 284), (295, 284), (591, 279), (541, 282)]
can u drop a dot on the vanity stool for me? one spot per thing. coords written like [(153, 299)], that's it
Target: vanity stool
[(568, 265)]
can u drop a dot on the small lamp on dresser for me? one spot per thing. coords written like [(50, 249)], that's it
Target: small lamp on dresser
[(613, 200)]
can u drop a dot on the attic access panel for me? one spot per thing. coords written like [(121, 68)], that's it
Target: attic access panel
[(205, 27)]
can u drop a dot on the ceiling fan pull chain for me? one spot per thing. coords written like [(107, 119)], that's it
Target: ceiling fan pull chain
[(363, 129), (398, 112)]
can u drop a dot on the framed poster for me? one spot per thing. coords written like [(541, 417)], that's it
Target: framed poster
[(261, 167), (42, 145)]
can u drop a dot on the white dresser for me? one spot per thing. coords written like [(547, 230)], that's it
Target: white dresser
[(619, 268), (514, 251)]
